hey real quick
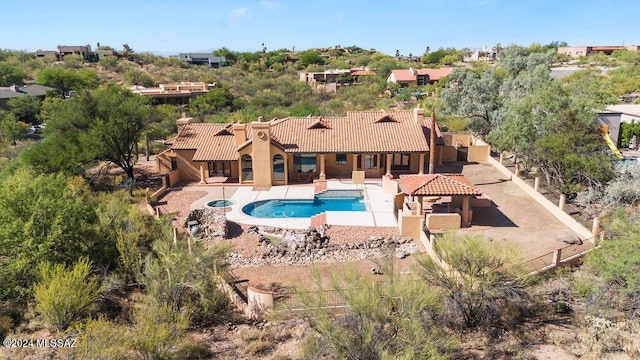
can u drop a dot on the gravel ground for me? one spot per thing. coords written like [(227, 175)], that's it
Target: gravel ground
[(178, 202), (246, 244)]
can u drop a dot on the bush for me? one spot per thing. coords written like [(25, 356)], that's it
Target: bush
[(102, 339), (64, 295)]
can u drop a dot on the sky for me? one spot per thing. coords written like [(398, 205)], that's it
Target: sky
[(167, 27)]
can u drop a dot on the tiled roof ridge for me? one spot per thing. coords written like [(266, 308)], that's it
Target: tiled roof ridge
[(452, 178)]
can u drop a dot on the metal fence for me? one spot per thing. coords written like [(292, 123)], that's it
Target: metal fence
[(297, 300)]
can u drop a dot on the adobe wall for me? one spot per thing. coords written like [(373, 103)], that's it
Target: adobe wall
[(260, 302), (189, 170), (449, 153), (410, 225), (390, 186), (262, 162), (443, 222), (478, 153)]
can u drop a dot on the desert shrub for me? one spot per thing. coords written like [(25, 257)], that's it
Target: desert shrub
[(159, 331), (481, 290), (103, 339), (66, 295)]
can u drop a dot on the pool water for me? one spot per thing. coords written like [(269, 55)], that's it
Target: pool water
[(331, 200)]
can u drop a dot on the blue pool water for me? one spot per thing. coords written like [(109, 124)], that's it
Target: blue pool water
[(331, 200)]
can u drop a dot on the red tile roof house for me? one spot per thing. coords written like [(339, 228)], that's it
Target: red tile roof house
[(295, 149), (406, 77)]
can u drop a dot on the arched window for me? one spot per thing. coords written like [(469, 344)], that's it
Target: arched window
[(278, 168), (247, 168)]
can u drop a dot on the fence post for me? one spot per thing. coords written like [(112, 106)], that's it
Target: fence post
[(557, 256), (596, 226), (516, 171), (563, 201), (536, 184), (501, 158)]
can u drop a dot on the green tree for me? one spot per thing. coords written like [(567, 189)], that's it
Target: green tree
[(65, 295), (44, 217), (475, 96), (25, 108), (138, 77), (11, 75), (65, 80), (481, 287), (216, 100), (12, 129), (311, 57)]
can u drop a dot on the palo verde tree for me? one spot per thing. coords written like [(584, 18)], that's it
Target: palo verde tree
[(65, 80)]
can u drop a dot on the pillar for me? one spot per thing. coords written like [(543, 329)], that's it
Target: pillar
[(202, 179), (388, 163), (557, 256), (323, 176), (355, 162), (501, 158), (465, 211), (536, 184), (516, 171), (286, 168), (563, 201), (421, 165), (595, 229)]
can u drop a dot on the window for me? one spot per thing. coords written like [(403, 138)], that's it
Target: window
[(371, 161), (174, 163), (400, 162), (304, 162), (341, 159), (247, 168), (278, 168)]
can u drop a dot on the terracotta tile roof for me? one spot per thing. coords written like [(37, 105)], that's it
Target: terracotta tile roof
[(211, 142), (357, 132), (435, 74), (363, 72), (403, 75), (437, 185), (361, 131)]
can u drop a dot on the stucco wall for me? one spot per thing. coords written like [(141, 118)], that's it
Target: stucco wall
[(478, 153), (449, 153), (189, 170), (262, 163), (441, 222), (410, 225), (260, 301), (390, 186)]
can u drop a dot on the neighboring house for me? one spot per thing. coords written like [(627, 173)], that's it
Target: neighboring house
[(614, 115), (203, 59), (577, 51), (86, 53), (407, 77), (296, 149), (482, 55), (83, 50), (176, 93), (13, 91), (328, 80)]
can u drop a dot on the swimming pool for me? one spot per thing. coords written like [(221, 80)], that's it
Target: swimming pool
[(330, 200)]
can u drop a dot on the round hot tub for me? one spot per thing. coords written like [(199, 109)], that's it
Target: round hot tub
[(219, 203)]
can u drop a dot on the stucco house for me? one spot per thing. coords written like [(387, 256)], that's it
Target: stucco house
[(302, 149), (406, 77)]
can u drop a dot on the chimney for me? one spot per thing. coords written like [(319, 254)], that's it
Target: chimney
[(261, 119), (432, 143), (240, 133), (183, 121), (418, 115)]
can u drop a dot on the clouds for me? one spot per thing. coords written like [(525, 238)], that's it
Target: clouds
[(270, 5), (237, 15)]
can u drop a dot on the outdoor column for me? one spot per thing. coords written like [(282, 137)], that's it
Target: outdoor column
[(323, 176), (286, 169), (421, 164), (355, 162), (595, 229), (501, 158), (202, 180), (563, 200), (465, 211), (389, 159)]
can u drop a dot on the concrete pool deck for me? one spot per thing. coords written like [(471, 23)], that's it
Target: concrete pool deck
[(379, 206)]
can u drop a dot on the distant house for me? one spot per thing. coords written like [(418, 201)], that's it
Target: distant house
[(86, 53), (577, 51), (175, 93), (203, 59), (407, 77), (14, 91), (482, 55), (328, 80)]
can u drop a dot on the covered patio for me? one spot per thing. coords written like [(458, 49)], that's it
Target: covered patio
[(442, 194)]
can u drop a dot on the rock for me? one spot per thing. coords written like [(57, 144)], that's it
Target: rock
[(321, 252), (401, 255), (375, 271)]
